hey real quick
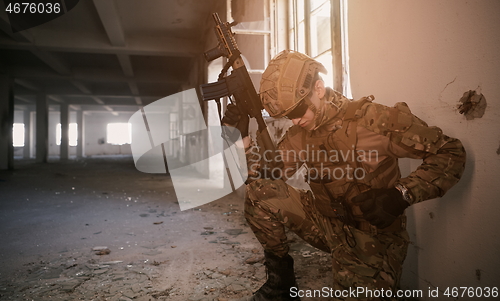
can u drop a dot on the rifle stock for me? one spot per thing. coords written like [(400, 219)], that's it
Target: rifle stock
[(239, 85)]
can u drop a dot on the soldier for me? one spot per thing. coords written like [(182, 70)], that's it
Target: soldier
[(355, 207)]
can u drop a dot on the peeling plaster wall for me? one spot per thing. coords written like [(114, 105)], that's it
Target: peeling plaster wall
[(427, 54)]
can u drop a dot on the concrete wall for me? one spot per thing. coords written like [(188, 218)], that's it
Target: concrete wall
[(428, 53)]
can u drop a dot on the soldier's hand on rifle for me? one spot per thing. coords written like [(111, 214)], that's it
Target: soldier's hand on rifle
[(234, 117), (381, 207)]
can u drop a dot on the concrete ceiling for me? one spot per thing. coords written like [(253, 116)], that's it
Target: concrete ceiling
[(116, 55)]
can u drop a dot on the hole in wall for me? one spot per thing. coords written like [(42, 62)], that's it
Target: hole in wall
[(472, 105)]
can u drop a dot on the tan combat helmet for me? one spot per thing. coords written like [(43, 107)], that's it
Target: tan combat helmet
[(286, 81)]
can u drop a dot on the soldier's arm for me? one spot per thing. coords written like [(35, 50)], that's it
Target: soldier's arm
[(438, 172), (443, 157)]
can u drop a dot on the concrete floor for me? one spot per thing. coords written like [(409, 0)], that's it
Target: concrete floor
[(52, 215)]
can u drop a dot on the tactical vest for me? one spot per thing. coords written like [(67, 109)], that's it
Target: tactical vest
[(337, 169)]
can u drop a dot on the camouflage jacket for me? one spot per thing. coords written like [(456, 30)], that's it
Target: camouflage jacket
[(359, 148)]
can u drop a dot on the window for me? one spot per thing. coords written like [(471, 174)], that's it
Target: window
[(253, 34), (174, 126), (310, 32), (18, 134), (73, 134), (119, 133), (315, 28)]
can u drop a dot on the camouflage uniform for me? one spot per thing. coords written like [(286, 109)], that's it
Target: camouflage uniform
[(356, 149)]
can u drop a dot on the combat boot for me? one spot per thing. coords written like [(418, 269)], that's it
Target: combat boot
[(280, 278)]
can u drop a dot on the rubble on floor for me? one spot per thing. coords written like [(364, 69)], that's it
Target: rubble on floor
[(77, 277), (111, 233)]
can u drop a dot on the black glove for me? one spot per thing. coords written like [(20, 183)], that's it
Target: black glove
[(381, 207), (234, 117)]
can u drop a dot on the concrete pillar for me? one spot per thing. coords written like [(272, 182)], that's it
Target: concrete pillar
[(6, 123), (27, 134), (64, 110), (42, 128), (80, 125)]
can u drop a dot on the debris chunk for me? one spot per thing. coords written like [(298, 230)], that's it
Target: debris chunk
[(233, 231), (254, 259), (112, 262), (101, 250)]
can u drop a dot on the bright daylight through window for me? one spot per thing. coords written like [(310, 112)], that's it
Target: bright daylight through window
[(119, 133), (18, 134), (317, 41), (73, 134)]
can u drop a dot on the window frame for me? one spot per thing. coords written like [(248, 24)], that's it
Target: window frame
[(338, 46)]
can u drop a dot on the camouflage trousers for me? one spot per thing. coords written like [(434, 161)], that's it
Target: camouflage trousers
[(373, 263)]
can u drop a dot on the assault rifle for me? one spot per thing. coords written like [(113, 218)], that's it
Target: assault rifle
[(239, 85)]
